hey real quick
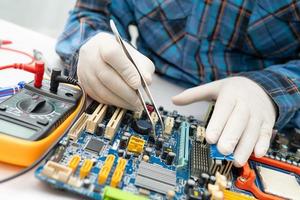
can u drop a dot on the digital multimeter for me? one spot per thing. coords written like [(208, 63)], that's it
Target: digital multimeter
[(31, 120)]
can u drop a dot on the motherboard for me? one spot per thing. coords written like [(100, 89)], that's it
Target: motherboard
[(114, 154)]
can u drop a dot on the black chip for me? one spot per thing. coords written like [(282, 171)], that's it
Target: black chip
[(94, 146)]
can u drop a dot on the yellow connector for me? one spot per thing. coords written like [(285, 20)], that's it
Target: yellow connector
[(117, 176), (96, 118), (57, 171), (106, 169), (114, 123), (135, 144), (78, 127), (228, 195), (85, 168), (169, 123), (74, 162)]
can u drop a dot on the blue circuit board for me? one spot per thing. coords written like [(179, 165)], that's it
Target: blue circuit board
[(190, 161), (110, 147)]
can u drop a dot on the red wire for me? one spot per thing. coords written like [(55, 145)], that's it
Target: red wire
[(37, 69), (14, 65)]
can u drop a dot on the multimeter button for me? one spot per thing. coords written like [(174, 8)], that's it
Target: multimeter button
[(43, 122), (3, 108)]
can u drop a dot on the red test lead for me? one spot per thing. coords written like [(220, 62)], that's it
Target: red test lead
[(37, 67)]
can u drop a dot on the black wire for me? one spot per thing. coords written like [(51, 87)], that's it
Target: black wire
[(33, 165), (279, 18)]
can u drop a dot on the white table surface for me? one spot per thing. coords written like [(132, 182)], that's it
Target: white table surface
[(27, 186)]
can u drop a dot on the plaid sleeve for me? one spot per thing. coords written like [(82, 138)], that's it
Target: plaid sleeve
[(88, 18), (282, 83)]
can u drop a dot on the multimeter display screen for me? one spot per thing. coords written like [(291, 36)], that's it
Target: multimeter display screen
[(16, 130)]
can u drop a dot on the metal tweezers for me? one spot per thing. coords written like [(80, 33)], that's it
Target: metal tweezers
[(144, 84)]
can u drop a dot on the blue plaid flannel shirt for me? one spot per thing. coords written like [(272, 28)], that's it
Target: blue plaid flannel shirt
[(198, 41)]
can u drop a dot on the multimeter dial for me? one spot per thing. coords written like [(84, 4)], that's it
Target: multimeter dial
[(36, 105)]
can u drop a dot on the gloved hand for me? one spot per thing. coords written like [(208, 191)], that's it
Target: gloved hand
[(243, 117), (106, 73)]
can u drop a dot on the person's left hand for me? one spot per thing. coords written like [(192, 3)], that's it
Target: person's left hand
[(242, 120)]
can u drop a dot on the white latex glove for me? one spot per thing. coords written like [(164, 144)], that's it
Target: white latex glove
[(243, 117), (108, 76)]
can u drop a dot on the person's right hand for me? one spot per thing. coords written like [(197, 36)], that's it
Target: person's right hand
[(108, 76)]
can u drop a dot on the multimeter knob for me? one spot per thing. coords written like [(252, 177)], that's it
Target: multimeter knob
[(36, 106)]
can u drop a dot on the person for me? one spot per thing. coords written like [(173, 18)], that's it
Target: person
[(243, 54)]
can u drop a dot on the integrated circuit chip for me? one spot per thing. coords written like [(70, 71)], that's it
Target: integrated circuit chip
[(94, 146)]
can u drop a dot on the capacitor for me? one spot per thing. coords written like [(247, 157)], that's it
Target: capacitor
[(191, 118), (121, 152), (189, 185), (148, 151), (143, 127), (174, 113), (212, 179), (160, 108), (150, 108), (159, 143), (192, 130), (151, 140), (164, 154), (94, 160), (170, 158), (100, 129), (128, 155), (86, 183), (177, 123), (123, 142), (203, 181)]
